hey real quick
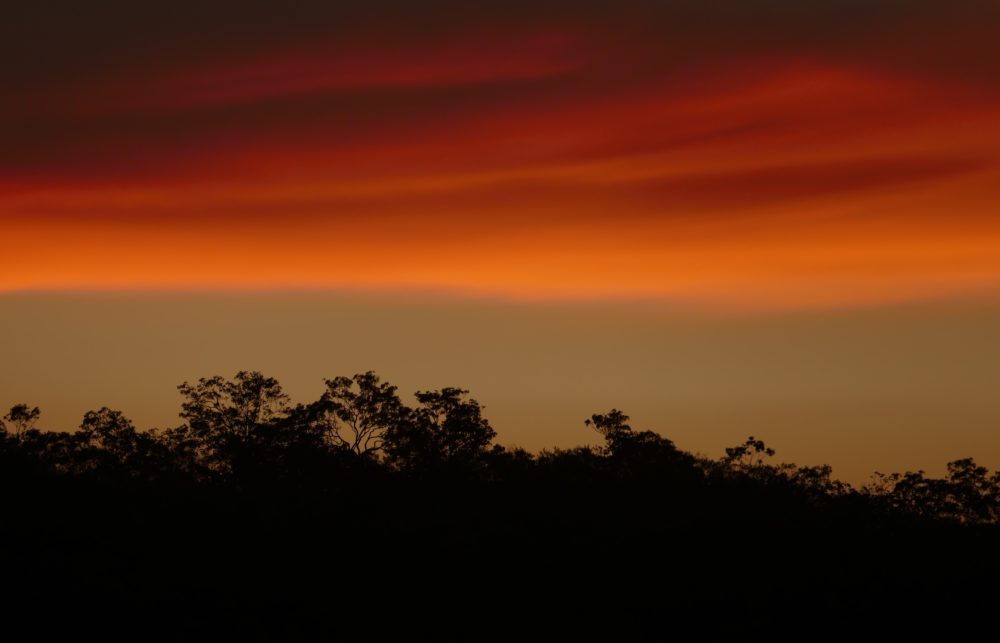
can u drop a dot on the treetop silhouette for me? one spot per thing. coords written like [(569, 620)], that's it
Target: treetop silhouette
[(22, 419), (245, 431)]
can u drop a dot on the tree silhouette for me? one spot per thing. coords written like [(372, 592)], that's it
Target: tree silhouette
[(971, 493), (817, 481), (445, 428), (244, 431), (109, 430), (749, 455), (22, 419), (356, 414), (612, 422), (229, 417), (613, 426), (250, 507), (637, 453), (108, 438)]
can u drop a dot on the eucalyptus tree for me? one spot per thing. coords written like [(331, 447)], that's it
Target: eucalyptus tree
[(356, 413), (22, 419), (232, 419)]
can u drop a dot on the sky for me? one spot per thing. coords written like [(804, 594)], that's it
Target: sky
[(751, 214)]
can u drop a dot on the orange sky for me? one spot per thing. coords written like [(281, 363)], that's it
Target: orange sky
[(779, 157)]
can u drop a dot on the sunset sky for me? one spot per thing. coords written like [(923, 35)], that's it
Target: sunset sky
[(748, 216)]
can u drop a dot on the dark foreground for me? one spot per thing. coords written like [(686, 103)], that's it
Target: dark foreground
[(259, 521), (474, 561)]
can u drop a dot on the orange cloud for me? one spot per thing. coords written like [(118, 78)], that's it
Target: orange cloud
[(554, 160)]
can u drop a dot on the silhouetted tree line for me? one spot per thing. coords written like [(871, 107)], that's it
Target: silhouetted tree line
[(245, 433), (363, 516)]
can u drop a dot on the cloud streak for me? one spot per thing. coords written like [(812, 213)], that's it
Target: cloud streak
[(757, 151)]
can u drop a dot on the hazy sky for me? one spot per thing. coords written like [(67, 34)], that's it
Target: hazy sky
[(747, 215), (887, 388)]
